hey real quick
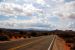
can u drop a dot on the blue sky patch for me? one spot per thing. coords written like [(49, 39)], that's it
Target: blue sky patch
[(23, 18), (2, 17)]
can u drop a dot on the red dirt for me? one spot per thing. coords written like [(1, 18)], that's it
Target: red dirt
[(60, 44)]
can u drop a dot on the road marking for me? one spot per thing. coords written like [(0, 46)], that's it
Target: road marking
[(24, 45), (51, 43)]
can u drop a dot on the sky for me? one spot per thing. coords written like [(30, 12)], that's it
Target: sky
[(37, 14)]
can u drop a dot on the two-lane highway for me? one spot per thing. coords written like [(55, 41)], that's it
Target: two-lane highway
[(38, 43)]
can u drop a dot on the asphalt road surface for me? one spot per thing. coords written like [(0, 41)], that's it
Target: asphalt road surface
[(36, 43)]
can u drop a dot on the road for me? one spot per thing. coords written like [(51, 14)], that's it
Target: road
[(37, 43)]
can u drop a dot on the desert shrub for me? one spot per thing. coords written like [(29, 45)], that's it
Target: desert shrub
[(4, 38)]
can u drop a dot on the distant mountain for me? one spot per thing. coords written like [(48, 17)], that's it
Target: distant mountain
[(27, 29)]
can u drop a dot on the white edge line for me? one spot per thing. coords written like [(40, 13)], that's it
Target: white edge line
[(51, 43)]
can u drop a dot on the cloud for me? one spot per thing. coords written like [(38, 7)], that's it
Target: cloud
[(24, 24), (58, 1), (42, 2), (45, 14), (11, 9), (72, 26), (66, 11)]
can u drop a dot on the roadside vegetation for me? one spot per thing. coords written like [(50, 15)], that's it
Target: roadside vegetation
[(8, 34)]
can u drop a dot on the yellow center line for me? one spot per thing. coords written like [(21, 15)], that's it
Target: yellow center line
[(24, 45)]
